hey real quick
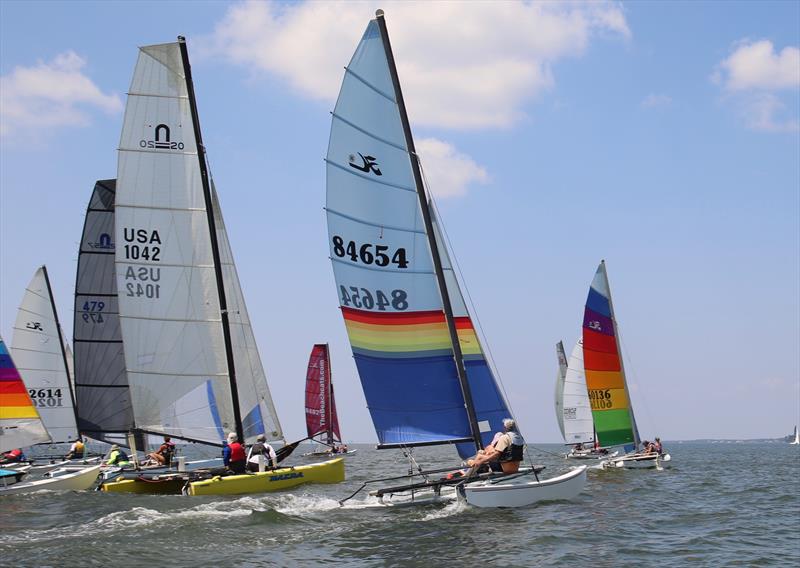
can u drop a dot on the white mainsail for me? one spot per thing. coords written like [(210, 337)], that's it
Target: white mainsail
[(562, 374), (576, 410), (173, 323), (38, 350)]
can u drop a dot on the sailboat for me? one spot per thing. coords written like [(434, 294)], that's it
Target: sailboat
[(38, 348), (21, 426), (421, 365), (322, 422), (193, 368), (612, 411), (573, 410), (796, 439)]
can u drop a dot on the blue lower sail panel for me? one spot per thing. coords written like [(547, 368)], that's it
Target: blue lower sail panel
[(413, 400)]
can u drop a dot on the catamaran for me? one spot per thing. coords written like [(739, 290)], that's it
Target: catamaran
[(193, 367), (612, 411), (573, 410), (39, 350), (421, 365), (21, 426), (322, 421), (796, 439)]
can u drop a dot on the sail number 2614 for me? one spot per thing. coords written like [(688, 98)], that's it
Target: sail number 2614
[(379, 255)]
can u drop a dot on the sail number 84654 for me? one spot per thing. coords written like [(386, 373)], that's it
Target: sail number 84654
[(363, 298), (369, 253)]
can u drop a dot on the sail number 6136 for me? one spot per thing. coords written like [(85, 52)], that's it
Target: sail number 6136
[(369, 253)]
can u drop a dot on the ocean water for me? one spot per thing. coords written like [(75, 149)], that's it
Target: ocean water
[(720, 504)]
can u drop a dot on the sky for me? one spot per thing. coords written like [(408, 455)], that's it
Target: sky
[(663, 137)]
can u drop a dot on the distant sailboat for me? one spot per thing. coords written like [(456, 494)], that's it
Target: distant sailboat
[(796, 440), (322, 421), (422, 368), (573, 409), (192, 363), (612, 410), (39, 351)]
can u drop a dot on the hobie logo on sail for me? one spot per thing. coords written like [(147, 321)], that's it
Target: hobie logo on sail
[(162, 140), (104, 242), (34, 326), (368, 164)]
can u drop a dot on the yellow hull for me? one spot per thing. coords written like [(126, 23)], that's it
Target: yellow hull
[(172, 487), (331, 471)]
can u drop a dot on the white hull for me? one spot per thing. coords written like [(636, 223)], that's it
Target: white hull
[(64, 479), (590, 456), (520, 492), (640, 461)]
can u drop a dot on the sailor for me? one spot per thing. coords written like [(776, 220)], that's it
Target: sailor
[(657, 447), (117, 457), (13, 456), (506, 451), (261, 448), (163, 455), (233, 455), (76, 450)]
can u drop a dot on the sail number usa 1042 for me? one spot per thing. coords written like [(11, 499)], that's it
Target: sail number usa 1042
[(142, 245), (367, 253), (365, 299)]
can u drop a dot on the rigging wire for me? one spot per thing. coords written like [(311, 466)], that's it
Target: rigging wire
[(632, 372)]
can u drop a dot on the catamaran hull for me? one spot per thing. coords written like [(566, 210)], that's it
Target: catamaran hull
[(516, 493), (73, 479), (590, 456), (331, 471), (650, 461)]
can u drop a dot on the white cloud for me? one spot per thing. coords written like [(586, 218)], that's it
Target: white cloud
[(462, 64), (755, 78), (757, 66), (49, 95), (654, 100), (447, 171)]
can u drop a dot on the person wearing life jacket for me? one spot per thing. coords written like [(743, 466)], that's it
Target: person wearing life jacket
[(233, 455), (261, 448), (13, 456), (163, 455), (505, 451), (117, 457), (76, 450)]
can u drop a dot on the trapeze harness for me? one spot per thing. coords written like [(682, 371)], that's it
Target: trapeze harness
[(513, 453)]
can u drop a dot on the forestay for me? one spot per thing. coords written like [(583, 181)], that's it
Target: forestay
[(384, 270), (321, 417), (20, 424), (38, 350), (605, 377), (102, 392), (181, 348), (575, 410)]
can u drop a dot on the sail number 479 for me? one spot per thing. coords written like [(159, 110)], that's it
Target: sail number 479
[(369, 253)]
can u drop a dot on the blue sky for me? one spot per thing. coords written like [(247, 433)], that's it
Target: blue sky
[(660, 136)]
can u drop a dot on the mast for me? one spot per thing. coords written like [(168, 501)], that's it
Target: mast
[(426, 216), (329, 388), (61, 344), (619, 350), (223, 303)]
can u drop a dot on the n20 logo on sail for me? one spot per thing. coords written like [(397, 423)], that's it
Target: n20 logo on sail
[(162, 140)]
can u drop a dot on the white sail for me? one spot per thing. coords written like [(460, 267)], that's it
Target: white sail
[(168, 297), (38, 351), (255, 402), (562, 374), (796, 440), (576, 408)]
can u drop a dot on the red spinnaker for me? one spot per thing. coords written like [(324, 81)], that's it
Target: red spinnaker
[(320, 405)]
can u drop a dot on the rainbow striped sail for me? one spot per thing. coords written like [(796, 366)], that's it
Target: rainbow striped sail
[(605, 375), (20, 424), (385, 272)]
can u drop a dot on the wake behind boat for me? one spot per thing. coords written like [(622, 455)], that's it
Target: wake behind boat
[(421, 364)]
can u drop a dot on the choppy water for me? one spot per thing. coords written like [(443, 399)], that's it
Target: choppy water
[(724, 504)]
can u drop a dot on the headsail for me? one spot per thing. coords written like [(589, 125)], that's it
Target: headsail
[(575, 411), (38, 350), (605, 377), (20, 424), (184, 343), (389, 270), (321, 417), (102, 392), (562, 374)]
